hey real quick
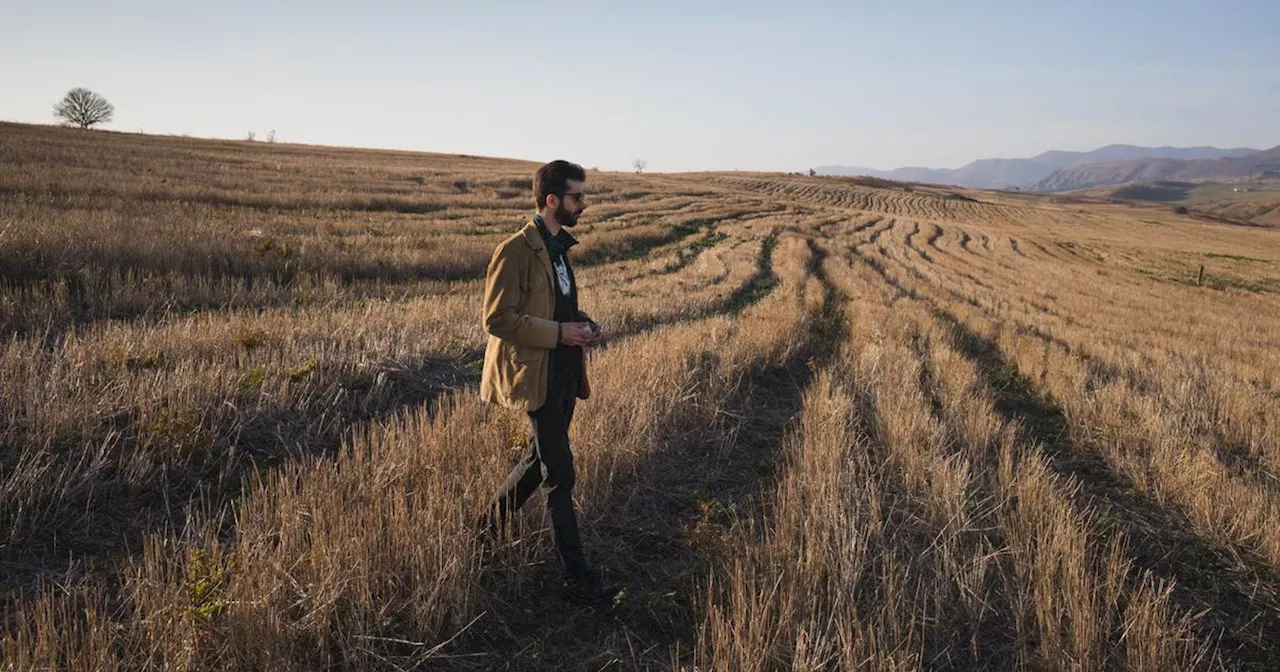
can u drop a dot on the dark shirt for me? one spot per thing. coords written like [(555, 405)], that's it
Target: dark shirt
[(566, 360)]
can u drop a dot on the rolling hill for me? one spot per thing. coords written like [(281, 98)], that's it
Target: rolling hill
[(1003, 173), (1159, 169), (1256, 204)]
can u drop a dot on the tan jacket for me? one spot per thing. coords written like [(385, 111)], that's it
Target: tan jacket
[(519, 316)]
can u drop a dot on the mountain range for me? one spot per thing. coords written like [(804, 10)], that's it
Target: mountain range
[(1025, 173), (1160, 169)]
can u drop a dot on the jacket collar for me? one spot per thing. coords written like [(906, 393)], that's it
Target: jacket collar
[(532, 236), (557, 244)]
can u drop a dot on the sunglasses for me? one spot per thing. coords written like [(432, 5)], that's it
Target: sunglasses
[(576, 195)]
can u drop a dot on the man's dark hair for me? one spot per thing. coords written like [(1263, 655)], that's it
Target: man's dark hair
[(553, 178)]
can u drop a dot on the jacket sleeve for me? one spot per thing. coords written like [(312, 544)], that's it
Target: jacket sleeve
[(501, 298)]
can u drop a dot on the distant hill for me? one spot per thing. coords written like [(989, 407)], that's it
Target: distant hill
[(1254, 203), (1004, 173), (1159, 170)]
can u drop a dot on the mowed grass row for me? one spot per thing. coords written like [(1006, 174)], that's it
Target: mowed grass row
[(146, 273), (342, 561), (895, 199), (1218, 395), (1187, 461), (126, 227), (149, 415), (1126, 327), (912, 527)]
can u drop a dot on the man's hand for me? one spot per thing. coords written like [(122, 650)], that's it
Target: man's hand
[(576, 333), (597, 334)]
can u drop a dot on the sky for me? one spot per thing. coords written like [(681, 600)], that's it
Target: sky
[(710, 85)]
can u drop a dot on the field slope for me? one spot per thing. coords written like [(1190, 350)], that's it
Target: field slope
[(840, 423)]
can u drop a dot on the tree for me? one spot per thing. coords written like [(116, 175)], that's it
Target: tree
[(639, 165), (83, 108)]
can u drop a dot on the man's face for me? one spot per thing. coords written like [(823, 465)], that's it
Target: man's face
[(571, 205)]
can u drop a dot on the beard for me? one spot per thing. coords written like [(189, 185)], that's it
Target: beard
[(566, 217)]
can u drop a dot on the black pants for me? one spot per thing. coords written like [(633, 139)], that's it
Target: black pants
[(549, 465)]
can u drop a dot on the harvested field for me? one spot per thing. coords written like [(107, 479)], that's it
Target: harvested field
[(836, 426)]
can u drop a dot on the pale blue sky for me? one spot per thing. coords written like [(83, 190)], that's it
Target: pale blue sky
[(686, 85)]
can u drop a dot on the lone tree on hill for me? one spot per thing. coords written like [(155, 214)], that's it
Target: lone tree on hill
[(640, 164), (83, 108)]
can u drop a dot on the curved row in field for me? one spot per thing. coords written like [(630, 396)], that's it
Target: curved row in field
[(1047, 301), (913, 526), (925, 203), (147, 409), (142, 232), (296, 527), (141, 269), (1165, 447)]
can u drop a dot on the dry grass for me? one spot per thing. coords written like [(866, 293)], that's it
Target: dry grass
[(915, 528), (839, 426)]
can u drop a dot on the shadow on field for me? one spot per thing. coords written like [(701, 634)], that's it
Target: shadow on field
[(1236, 601), (89, 523), (657, 534), (105, 517)]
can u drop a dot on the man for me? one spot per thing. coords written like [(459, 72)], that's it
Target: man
[(534, 358)]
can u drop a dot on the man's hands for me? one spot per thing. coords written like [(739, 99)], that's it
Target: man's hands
[(581, 333), (575, 333)]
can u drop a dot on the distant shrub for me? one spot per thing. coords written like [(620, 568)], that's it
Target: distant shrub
[(1181, 210)]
